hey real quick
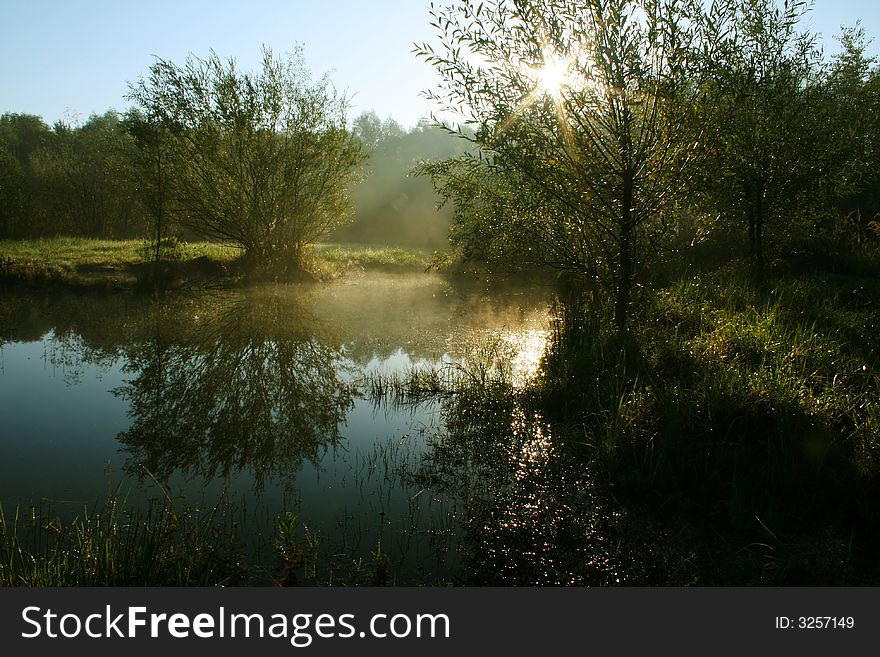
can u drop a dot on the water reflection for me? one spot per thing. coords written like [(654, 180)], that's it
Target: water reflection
[(253, 390), (532, 511), (240, 383)]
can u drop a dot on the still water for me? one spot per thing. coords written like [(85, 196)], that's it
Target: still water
[(256, 396)]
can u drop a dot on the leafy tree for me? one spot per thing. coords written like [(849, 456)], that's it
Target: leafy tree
[(85, 180), (265, 158), (853, 86), (21, 136), (491, 214), (12, 195), (772, 156), (152, 166), (372, 130), (594, 106)]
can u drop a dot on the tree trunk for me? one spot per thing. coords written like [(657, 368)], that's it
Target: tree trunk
[(625, 278), (758, 250), (624, 285), (750, 216), (752, 247), (160, 208)]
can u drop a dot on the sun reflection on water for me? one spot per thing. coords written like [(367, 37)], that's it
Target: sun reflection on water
[(526, 349)]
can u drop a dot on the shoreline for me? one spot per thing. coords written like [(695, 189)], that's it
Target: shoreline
[(109, 266)]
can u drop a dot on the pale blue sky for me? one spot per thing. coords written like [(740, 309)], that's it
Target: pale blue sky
[(71, 58)]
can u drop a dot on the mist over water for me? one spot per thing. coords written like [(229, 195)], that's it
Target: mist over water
[(252, 395)]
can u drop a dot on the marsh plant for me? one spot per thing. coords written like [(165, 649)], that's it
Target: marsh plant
[(119, 544)]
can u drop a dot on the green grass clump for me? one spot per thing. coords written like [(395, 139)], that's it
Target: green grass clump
[(115, 545), (335, 258), (751, 412)]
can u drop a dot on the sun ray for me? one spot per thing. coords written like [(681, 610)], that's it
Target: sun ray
[(554, 76), (551, 79)]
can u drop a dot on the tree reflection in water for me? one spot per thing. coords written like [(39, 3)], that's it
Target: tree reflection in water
[(533, 510), (237, 384)]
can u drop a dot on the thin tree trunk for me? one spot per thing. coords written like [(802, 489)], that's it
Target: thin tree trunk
[(758, 254), (750, 216), (624, 283), (752, 243), (160, 210)]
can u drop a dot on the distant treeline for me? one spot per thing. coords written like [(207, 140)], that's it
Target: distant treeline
[(68, 180), (392, 206), (83, 180)]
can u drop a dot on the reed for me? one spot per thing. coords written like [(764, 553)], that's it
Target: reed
[(116, 544)]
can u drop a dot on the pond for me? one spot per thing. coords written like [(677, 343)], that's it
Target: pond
[(255, 396)]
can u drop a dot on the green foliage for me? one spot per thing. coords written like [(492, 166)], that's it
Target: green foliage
[(853, 85), (152, 168), (596, 110), (72, 179), (772, 164), (285, 536), (116, 545), (491, 214), (391, 206), (88, 180), (261, 160), (21, 136)]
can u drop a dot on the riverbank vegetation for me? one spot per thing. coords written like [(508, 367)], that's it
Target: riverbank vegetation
[(730, 439), (615, 138), (127, 264), (116, 544), (261, 163), (704, 185)]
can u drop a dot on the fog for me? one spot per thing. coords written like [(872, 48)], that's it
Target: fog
[(392, 206)]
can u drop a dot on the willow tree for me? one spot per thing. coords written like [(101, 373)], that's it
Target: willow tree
[(593, 107), (262, 160), (773, 155), (153, 171)]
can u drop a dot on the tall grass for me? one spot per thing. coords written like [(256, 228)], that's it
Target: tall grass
[(485, 372), (737, 426), (118, 545)]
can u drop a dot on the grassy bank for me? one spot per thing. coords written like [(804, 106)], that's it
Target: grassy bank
[(732, 438), (749, 415), (79, 262), (110, 264)]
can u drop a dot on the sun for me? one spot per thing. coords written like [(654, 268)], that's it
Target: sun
[(554, 76), (550, 79)]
